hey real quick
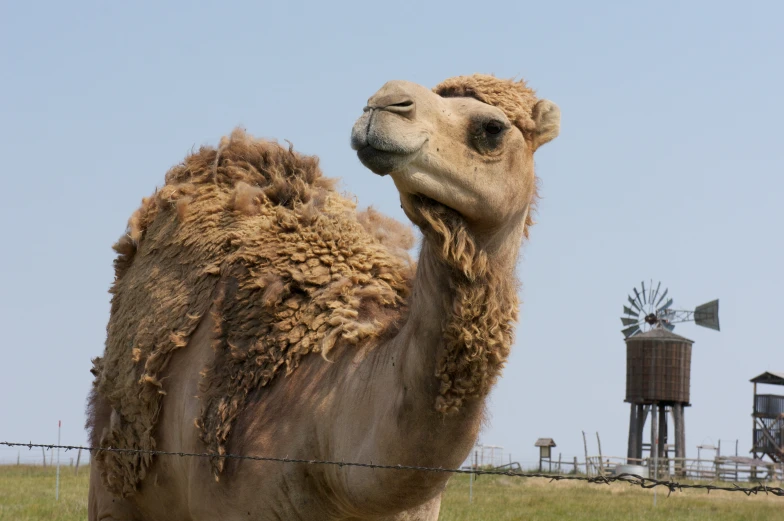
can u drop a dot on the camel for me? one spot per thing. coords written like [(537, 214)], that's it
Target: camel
[(255, 311)]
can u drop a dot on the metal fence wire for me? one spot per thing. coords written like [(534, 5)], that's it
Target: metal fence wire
[(631, 479)]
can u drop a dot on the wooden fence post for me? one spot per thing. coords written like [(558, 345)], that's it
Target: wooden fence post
[(601, 464), (43, 452), (587, 464), (576, 471), (78, 457)]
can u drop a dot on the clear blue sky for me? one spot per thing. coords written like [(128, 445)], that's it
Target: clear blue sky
[(670, 166)]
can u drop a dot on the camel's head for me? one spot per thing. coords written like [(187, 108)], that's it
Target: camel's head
[(468, 144)]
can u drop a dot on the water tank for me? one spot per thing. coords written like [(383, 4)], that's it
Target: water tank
[(658, 367)]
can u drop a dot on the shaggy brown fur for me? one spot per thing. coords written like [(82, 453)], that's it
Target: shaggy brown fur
[(299, 262)]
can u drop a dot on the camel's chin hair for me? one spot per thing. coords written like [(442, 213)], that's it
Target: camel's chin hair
[(423, 189), (422, 201), (416, 204)]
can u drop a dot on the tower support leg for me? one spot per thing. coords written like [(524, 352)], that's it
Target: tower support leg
[(633, 434), (654, 459), (642, 415), (680, 438), (664, 464), (663, 431)]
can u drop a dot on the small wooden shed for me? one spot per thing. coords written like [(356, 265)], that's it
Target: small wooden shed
[(544, 445)]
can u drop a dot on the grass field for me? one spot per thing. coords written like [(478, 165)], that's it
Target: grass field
[(27, 494)]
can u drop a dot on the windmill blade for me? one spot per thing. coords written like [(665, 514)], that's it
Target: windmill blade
[(644, 299), (667, 326), (629, 312), (665, 306), (629, 321), (630, 331), (662, 297), (655, 293), (707, 315), (639, 301), (634, 304)]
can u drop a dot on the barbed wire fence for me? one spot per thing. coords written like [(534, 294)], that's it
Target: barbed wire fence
[(630, 479)]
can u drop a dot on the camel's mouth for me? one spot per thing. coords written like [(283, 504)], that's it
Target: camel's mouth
[(382, 162), (385, 142)]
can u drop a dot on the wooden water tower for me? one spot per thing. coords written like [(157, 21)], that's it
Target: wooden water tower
[(658, 368)]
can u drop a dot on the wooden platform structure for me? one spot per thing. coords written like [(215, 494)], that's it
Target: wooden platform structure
[(768, 418)]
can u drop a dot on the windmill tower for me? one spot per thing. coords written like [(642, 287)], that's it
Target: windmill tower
[(658, 367)]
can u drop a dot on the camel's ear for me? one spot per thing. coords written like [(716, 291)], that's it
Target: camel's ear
[(547, 117)]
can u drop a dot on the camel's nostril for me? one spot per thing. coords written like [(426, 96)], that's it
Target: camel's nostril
[(404, 107), (397, 102)]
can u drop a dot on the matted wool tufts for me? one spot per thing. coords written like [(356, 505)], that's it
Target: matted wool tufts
[(296, 264)]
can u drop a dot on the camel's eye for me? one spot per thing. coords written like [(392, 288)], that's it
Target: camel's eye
[(493, 127), (488, 134)]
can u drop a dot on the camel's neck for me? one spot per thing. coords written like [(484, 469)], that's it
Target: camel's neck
[(463, 309), (427, 385)]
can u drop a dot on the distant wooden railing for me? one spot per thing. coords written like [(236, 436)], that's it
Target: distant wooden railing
[(721, 468)]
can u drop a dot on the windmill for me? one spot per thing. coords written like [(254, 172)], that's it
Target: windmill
[(658, 367), (650, 308)]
